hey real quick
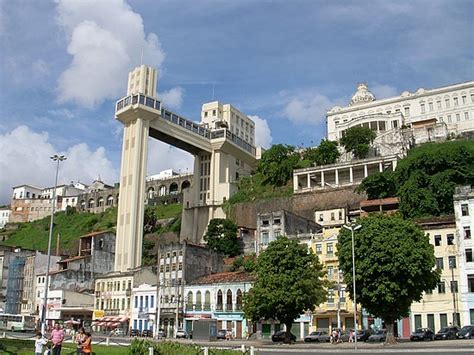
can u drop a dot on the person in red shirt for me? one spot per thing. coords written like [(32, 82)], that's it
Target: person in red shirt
[(87, 344)]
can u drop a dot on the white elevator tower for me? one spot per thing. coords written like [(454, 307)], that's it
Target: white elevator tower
[(222, 144)]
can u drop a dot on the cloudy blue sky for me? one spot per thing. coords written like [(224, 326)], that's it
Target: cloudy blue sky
[(64, 63)]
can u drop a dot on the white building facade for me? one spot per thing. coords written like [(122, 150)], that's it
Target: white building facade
[(425, 115), (4, 216), (464, 212)]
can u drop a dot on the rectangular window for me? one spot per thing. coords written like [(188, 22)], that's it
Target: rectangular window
[(452, 262), (439, 263), (330, 296), (437, 240), (446, 101), (319, 249), (466, 115), (470, 283), (332, 216), (395, 123), (431, 321), (407, 112), (469, 255), (141, 301), (136, 302), (464, 209), (467, 232), (449, 119), (418, 321), (441, 287), (458, 117), (422, 107), (330, 271), (277, 221), (329, 249), (264, 238), (152, 301), (443, 320), (430, 105), (265, 222), (146, 301), (472, 100), (456, 102), (450, 239), (438, 105), (464, 99), (454, 287), (321, 217)]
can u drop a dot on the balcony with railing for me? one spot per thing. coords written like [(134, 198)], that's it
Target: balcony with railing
[(198, 307)]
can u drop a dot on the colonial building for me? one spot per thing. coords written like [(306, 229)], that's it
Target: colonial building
[(4, 216), (271, 225), (464, 212), (410, 118), (440, 307), (218, 296)]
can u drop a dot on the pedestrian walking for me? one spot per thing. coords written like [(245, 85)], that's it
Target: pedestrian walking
[(351, 336), (87, 344), (79, 340), (57, 338), (40, 342)]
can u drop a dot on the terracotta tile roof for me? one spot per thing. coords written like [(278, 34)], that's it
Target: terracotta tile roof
[(223, 277), (382, 201)]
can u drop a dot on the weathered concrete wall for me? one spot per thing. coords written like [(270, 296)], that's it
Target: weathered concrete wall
[(301, 204)]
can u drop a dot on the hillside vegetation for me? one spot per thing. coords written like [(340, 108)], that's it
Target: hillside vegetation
[(71, 225)]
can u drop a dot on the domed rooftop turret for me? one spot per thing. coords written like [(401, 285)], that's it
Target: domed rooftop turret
[(362, 95)]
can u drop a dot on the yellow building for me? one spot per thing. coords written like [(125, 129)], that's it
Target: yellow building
[(338, 310), (437, 309)]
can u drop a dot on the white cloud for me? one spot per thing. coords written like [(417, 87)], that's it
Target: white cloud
[(162, 156), (106, 40), (307, 108), (263, 134), (173, 98), (383, 91), (25, 159)]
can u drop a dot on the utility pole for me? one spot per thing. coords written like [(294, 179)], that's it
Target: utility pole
[(453, 291), (158, 294), (339, 299)]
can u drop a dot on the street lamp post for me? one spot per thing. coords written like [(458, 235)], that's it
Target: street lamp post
[(56, 158), (353, 227), (453, 291)]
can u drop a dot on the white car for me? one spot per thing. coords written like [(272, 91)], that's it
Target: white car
[(181, 334)]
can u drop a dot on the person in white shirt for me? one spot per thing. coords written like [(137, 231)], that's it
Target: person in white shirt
[(40, 342)]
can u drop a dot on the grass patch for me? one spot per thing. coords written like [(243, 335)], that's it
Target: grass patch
[(71, 225), (137, 347)]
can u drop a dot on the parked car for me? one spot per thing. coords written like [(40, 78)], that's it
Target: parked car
[(320, 337), (364, 334), (379, 335), (280, 336), (161, 334), (447, 333), (422, 334), (134, 332), (181, 334), (221, 334), (147, 333), (118, 332), (466, 332)]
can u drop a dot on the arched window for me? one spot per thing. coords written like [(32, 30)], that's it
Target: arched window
[(100, 202), (185, 184), (207, 301), (238, 300), (83, 205), (91, 203), (151, 192), (189, 301), (198, 301), (162, 190), (219, 301), (110, 200), (173, 188), (228, 304)]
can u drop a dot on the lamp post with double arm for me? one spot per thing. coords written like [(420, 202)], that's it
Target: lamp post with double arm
[(57, 159)]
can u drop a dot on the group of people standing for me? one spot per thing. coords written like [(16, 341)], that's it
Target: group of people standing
[(53, 344), (336, 336)]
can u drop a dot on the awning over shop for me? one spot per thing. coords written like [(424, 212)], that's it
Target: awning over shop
[(110, 321)]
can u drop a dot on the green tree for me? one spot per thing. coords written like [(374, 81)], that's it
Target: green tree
[(325, 153), (221, 236), (357, 140), (379, 185), (289, 281), (394, 265), (149, 220), (427, 177), (277, 164)]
